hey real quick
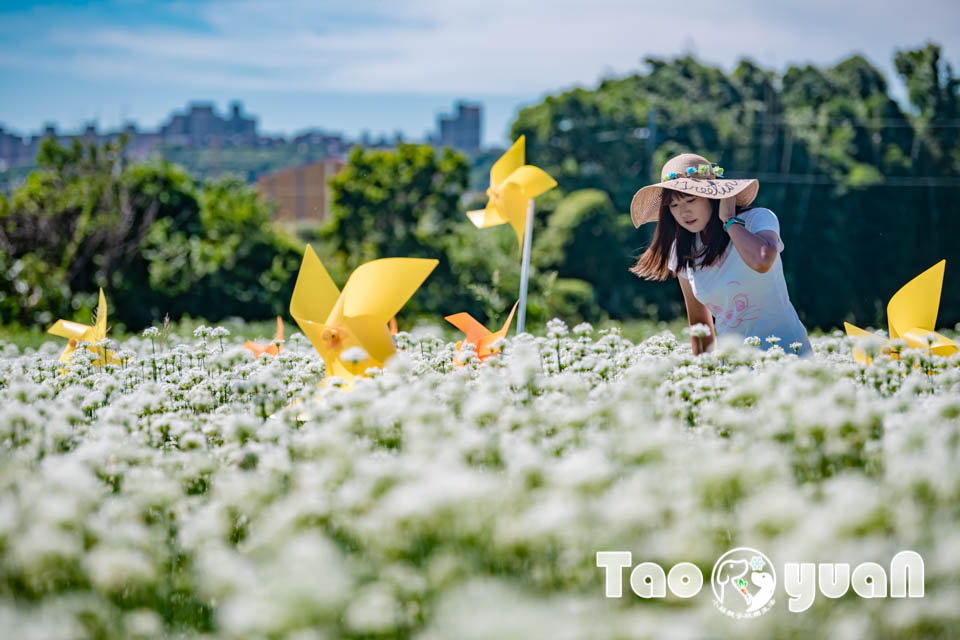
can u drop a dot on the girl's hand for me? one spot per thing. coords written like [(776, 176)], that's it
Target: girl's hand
[(728, 208)]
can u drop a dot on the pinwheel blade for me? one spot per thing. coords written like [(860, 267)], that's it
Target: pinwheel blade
[(856, 332), (257, 348), (515, 207), (271, 349), (314, 294), (314, 333), (380, 288), (340, 369), (506, 325), (938, 344), (100, 328), (68, 329), (509, 162), (534, 180), (916, 304), (473, 330), (374, 337), (484, 218)]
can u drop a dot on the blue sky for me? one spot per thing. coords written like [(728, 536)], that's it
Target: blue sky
[(388, 66)]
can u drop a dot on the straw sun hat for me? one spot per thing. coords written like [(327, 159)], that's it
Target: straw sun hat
[(692, 174)]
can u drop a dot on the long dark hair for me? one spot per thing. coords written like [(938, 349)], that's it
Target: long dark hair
[(652, 264)]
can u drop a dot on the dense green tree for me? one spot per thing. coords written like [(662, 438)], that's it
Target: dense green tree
[(154, 238), (586, 240), (395, 202), (398, 203)]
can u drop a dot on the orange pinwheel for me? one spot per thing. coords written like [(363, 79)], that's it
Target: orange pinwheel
[(477, 334), (270, 349)]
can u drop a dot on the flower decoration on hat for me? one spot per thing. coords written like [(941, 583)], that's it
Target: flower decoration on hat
[(700, 171), (693, 174)]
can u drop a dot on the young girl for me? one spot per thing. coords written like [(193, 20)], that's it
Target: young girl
[(725, 254)]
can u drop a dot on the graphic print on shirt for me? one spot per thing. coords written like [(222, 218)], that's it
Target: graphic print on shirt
[(732, 318)]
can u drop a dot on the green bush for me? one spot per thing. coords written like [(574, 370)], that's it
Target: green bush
[(154, 238), (588, 240)]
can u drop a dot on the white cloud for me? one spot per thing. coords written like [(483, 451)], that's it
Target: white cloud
[(428, 46)]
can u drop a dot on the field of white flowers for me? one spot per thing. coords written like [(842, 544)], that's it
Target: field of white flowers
[(181, 494)]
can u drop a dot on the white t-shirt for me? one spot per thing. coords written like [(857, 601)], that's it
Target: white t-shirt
[(743, 301)]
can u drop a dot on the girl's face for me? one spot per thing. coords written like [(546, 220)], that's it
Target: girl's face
[(691, 212)]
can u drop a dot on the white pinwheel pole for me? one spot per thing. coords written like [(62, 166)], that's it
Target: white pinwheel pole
[(525, 268)]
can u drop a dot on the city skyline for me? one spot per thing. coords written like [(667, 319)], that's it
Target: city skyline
[(236, 109), (84, 125), (202, 126), (388, 68)]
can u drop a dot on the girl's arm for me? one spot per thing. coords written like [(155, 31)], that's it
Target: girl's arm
[(758, 250), (697, 313)]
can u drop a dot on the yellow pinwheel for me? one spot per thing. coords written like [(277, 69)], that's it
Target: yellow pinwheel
[(76, 333), (912, 316), (512, 185), (349, 328), (477, 334)]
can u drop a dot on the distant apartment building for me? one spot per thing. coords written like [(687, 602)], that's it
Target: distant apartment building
[(14, 150), (22, 150), (461, 130), (201, 126), (301, 193), (334, 144)]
